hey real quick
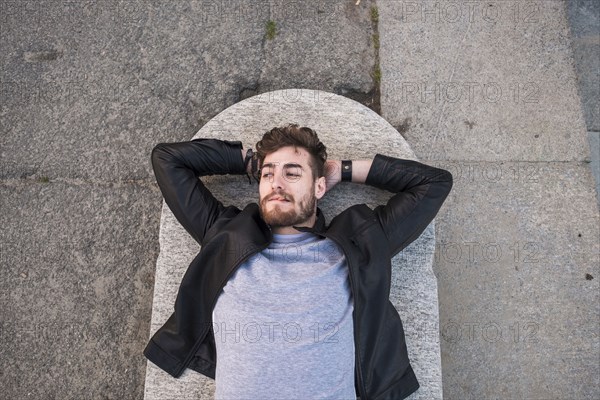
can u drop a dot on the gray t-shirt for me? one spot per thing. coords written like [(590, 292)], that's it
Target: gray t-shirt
[(283, 324)]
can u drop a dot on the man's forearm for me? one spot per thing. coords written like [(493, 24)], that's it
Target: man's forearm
[(333, 172), (249, 166), (360, 170)]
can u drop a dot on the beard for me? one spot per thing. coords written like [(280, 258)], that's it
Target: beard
[(278, 218)]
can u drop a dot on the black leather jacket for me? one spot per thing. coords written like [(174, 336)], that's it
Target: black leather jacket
[(228, 236)]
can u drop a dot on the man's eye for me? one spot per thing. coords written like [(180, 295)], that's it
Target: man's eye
[(267, 174), (292, 174)]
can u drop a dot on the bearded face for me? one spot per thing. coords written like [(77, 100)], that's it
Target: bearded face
[(288, 192), (281, 209)]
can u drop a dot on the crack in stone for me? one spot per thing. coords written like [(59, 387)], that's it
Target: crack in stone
[(38, 56)]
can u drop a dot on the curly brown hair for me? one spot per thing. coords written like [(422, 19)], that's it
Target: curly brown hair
[(293, 135)]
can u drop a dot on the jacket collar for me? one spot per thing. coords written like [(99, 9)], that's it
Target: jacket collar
[(319, 226)]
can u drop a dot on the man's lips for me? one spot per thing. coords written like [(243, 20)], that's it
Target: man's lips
[(277, 198)]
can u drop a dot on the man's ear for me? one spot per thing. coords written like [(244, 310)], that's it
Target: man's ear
[(320, 187)]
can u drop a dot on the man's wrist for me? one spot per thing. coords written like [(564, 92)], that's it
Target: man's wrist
[(360, 170), (250, 161), (247, 155)]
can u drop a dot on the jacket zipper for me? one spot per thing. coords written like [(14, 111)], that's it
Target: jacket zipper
[(219, 292), (236, 266), (363, 393)]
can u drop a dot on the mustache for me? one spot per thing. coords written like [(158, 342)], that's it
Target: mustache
[(282, 194)]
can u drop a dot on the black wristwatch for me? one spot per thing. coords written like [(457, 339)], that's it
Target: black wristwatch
[(346, 171)]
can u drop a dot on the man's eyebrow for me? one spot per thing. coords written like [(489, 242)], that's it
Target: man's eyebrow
[(271, 165), (293, 165)]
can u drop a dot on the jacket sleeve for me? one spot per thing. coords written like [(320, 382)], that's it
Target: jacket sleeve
[(420, 190), (178, 166)]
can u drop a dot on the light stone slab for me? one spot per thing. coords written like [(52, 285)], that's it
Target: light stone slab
[(349, 130)]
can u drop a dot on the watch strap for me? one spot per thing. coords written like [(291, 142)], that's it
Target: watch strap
[(346, 171)]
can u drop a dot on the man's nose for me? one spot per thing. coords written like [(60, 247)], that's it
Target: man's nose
[(277, 181)]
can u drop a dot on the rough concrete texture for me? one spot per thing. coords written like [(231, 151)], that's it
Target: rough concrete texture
[(88, 88), (518, 246), (127, 73), (77, 267), (481, 80), (414, 285), (584, 18)]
